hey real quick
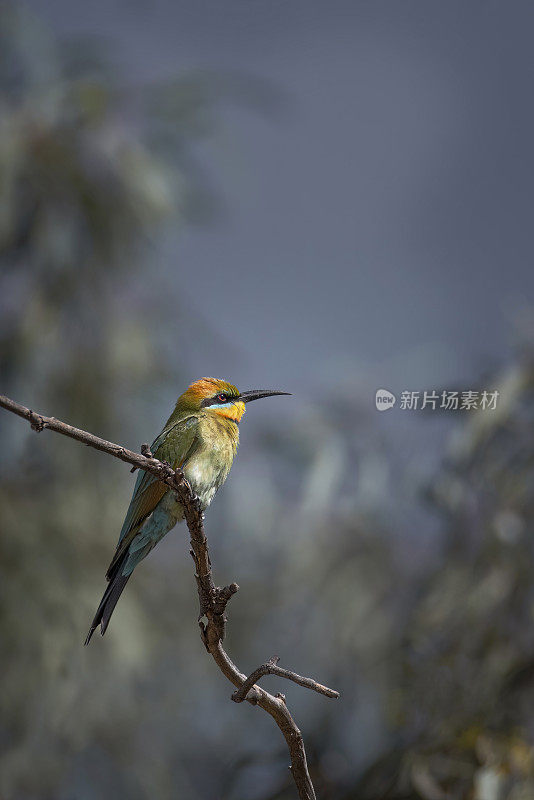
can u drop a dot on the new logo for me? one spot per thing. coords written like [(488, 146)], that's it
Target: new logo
[(384, 400)]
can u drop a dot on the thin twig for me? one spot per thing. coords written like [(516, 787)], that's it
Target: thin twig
[(212, 599), (271, 668)]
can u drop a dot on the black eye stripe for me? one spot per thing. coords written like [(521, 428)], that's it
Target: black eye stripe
[(212, 401)]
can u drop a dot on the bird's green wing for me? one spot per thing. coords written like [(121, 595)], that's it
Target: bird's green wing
[(173, 445)]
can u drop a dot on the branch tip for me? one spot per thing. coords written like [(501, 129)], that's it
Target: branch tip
[(271, 668)]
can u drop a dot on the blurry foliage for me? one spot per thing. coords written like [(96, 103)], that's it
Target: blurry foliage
[(434, 656), (464, 689), (80, 196)]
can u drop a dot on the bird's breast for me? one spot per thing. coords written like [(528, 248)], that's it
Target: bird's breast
[(208, 466)]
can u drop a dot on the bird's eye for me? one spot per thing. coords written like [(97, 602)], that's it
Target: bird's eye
[(221, 398)]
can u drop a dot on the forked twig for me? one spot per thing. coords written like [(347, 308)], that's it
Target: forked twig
[(271, 668)]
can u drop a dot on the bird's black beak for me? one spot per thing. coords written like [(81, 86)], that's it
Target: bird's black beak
[(257, 394)]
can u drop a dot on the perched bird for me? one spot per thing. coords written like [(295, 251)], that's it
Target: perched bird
[(201, 437)]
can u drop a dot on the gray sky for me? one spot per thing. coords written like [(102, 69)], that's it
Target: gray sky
[(384, 221)]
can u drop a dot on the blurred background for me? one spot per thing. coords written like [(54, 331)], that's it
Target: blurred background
[(327, 198)]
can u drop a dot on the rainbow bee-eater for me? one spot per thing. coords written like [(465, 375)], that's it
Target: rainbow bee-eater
[(201, 438)]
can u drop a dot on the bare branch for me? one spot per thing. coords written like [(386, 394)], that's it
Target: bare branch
[(271, 668), (213, 600)]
